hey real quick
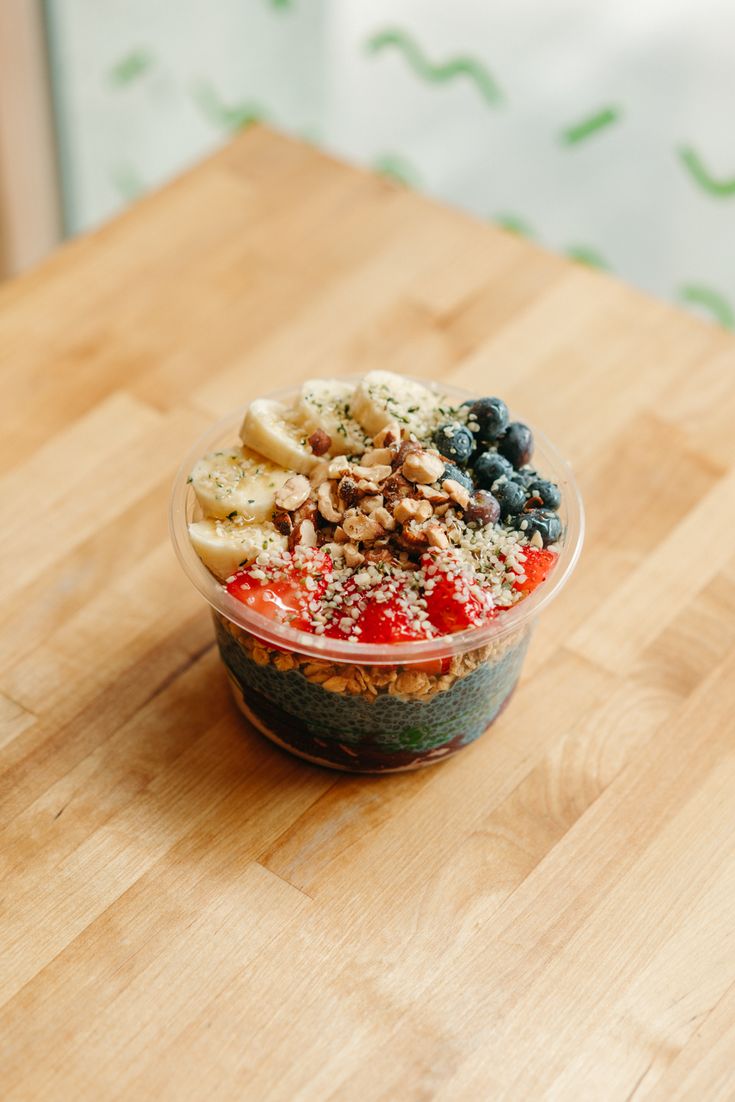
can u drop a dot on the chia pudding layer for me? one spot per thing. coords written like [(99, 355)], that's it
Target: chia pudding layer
[(373, 553), (367, 718)]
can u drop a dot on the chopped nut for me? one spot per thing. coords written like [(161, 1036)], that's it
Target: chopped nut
[(319, 473), (303, 535), (339, 535), (384, 519), (327, 502), (307, 511), (338, 467), (283, 521), (409, 509), (413, 539), (406, 448), (436, 497), (353, 557), (376, 457), (365, 486), (348, 490), (377, 473), (437, 537), (320, 442), (372, 502), (422, 466), (457, 492), (391, 434), (360, 527), (440, 510), (395, 488), (293, 492), (379, 554)]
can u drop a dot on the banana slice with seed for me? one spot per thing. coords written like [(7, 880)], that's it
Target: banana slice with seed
[(383, 396), (225, 545), (327, 404), (277, 432), (237, 480)]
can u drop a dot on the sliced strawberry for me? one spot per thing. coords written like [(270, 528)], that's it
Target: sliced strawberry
[(386, 622), (285, 592), (537, 567), (454, 602), (379, 620)]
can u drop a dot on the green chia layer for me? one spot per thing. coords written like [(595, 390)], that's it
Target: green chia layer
[(371, 717)]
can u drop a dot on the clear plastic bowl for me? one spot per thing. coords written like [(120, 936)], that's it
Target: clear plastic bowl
[(364, 707)]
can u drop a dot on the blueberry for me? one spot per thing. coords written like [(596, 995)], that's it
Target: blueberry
[(544, 493), (489, 467), (482, 510), (454, 441), (543, 521), (525, 476), (451, 471), (511, 497), (491, 417), (516, 444)]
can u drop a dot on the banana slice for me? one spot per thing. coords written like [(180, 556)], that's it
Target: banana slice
[(273, 429), (326, 404), (225, 545), (382, 397), (237, 480)]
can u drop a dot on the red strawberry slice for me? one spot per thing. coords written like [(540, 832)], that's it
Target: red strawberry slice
[(537, 567), (453, 602), (284, 593), (380, 620)]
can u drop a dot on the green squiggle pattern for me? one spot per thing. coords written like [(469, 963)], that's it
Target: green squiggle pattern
[(513, 224), (465, 66), (720, 189), (130, 68), (397, 168), (582, 254), (589, 126), (719, 307), (127, 182), (234, 116)]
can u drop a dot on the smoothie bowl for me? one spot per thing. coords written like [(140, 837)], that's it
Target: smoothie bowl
[(375, 553)]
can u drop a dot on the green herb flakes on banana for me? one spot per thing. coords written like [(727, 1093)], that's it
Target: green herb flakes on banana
[(237, 480)]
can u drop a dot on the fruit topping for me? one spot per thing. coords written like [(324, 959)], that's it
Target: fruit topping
[(539, 562), (511, 498), (453, 601), (489, 467), (539, 522), (284, 592), (487, 418), (454, 441), (453, 472), (544, 493), (483, 509), (516, 444)]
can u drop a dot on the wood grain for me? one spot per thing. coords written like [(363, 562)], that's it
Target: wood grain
[(188, 913)]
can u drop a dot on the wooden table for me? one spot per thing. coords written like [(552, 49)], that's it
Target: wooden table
[(187, 912)]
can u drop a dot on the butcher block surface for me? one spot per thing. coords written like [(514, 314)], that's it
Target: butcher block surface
[(187, 912)]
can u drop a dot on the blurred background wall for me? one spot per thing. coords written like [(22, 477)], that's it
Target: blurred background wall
[(603, 131)]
